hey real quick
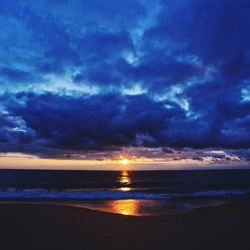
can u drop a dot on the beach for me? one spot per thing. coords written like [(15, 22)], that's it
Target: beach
[(52, 227)]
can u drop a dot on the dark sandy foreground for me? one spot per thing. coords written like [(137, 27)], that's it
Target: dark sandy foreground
[(53, 227)]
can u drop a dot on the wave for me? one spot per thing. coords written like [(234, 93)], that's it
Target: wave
[(220, 193), (76, 195), (39, 193)]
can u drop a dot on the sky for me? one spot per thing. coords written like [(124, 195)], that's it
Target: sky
[(87, 83)]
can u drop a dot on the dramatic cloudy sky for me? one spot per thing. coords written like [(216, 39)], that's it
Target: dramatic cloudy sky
[(166, 81)]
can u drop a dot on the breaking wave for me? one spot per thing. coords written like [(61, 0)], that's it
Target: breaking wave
[(39, 193)]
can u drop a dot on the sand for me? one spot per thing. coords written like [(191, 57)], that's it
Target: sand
[(35, 227)]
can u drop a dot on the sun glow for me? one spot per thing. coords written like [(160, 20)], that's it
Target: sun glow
[(124, 162)]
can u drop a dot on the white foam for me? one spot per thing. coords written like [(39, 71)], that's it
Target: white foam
[(39, 193), (78, 195)]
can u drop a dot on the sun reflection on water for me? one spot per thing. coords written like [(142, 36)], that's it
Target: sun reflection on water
[(124, 178), (125, 207), (132, 207), (125, 189)]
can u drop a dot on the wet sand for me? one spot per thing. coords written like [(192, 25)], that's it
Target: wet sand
[(47, 227)]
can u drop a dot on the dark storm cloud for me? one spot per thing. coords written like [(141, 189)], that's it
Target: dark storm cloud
[(86, 123), (80, 75)]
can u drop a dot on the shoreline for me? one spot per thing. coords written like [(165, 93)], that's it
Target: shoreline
[(29, 227), (90, 205)]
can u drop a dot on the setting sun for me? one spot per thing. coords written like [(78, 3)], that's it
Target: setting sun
[(124, 162)]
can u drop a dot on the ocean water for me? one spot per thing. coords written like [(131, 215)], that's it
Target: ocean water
[(138, 193)]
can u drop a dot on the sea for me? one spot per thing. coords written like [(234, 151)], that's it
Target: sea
[(129, 193)]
